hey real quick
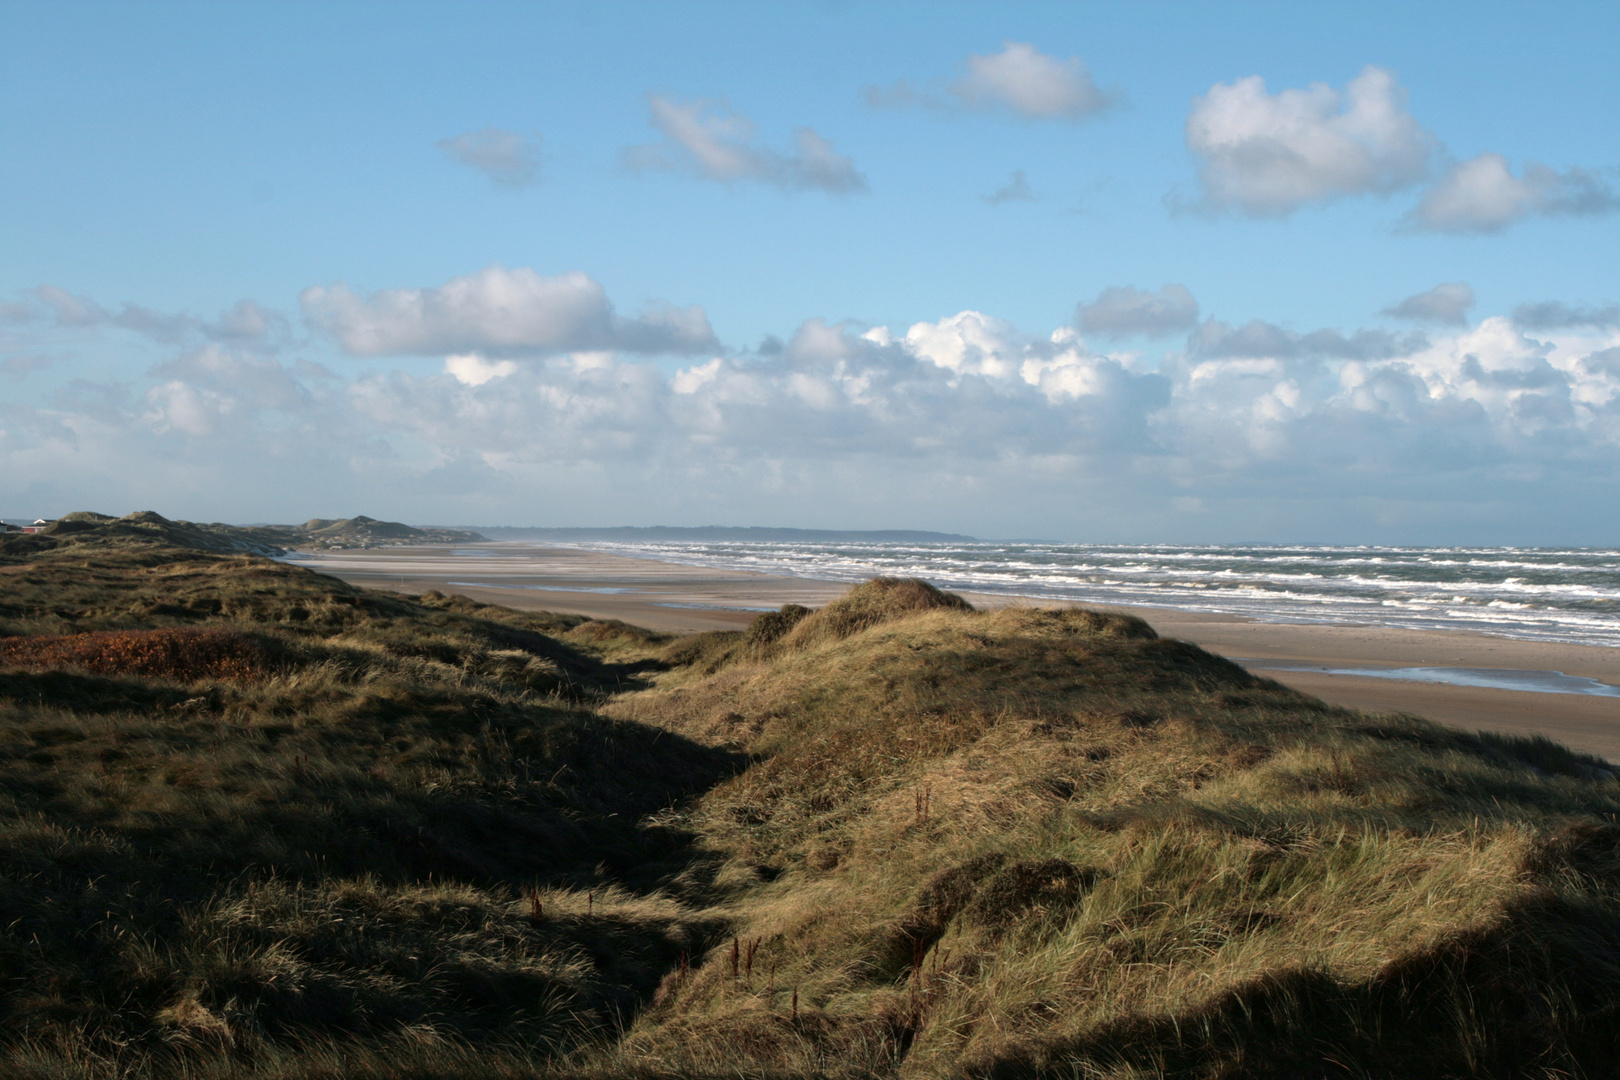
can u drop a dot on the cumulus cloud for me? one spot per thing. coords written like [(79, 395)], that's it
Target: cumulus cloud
[(236, 430), (1447, 304), (708, 140), (967, 388), (189, 410), (1483, 195), (1015, 190), (1019, 79), (509, 160), (1269, 154), (970, 397), (1485, 402), (1123, 311), (236, 378), (1030, 83), (499, 312), (968, 343), (471, 369), (1557, 315), (966, 420)]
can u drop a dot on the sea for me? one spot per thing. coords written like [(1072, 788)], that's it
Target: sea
[(1538, 594)]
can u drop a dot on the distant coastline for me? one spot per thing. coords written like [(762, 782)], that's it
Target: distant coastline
[(722, 533), (1535, 594)]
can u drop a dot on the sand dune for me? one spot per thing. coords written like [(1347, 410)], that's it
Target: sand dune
[(671, 597)]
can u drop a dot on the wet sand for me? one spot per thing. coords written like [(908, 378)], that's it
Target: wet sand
[(657, 595), (667, 596)]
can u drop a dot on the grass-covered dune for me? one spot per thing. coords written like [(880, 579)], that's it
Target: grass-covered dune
[(317, 534), (260, 823), (248, 808)]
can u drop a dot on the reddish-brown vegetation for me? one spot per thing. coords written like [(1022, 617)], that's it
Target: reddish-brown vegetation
[(180, 653)]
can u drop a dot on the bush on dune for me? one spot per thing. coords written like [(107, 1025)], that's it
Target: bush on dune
[(186, 654)]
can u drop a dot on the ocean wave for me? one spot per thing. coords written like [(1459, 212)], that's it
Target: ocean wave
[(1559, 594)]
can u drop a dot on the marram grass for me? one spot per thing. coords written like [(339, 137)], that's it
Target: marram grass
[(258, 823)]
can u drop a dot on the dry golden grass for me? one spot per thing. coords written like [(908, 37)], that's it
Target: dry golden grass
[(895, 836), (1020, 840)]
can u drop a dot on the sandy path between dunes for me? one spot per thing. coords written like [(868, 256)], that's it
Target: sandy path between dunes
[(668, 596)]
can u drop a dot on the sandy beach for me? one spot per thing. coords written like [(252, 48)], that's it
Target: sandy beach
[(671, 597)]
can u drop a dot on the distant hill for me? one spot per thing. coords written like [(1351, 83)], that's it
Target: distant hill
[(317, 534), (710, 533), (356, 532)]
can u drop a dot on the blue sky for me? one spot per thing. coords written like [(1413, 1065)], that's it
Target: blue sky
[(1111, 272)]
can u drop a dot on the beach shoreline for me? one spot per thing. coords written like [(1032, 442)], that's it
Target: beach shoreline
[(676, 598)]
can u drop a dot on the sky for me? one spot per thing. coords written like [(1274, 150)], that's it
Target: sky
[(1148, 272)]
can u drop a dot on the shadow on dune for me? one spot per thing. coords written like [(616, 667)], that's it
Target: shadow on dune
[(1529, 995)]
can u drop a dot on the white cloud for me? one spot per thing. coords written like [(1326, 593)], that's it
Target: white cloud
[(970, 343), (499, 312), (188, 409), (1257, 408), (1447, 303), (691, 380), (1031, 84), (1019, 79), (1484, 403), (966, 422), (1269, 154), (262, 382), (1123, 311), (211, 392), (968, 387), (1483, 195), (1015, 190), (710, 141), (509, 160), (470, 369)]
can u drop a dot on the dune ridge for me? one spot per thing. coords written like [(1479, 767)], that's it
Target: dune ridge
[(893, 835)]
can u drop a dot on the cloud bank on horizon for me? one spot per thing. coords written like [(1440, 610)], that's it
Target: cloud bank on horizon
[(827, 320), (541, 392)]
